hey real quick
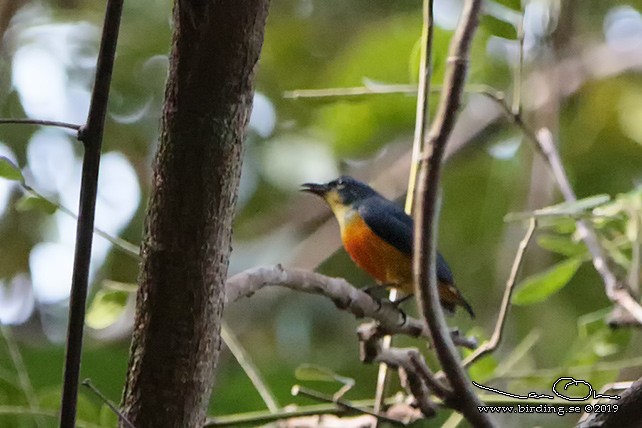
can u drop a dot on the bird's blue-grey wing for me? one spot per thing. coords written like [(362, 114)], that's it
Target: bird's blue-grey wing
[(389, 222)]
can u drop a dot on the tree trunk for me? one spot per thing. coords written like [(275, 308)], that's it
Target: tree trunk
[(628, 414), (186, 247)]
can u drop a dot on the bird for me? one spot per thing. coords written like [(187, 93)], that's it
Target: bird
[(378, 236)]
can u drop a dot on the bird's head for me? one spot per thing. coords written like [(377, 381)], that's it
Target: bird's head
[(344, 192)]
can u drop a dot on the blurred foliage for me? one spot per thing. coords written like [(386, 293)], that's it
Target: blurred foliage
[(333, 44)]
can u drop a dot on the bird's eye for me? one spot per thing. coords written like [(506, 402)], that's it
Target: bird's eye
[(341, 184)]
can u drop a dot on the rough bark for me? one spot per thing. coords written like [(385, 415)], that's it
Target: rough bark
[(628, 414), (186, 247)]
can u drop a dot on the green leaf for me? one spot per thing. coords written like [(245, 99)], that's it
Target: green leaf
[(106, 308), (538, 288), (9, 170), (563, 245), (31, 202), (577, 208), (318, 373)]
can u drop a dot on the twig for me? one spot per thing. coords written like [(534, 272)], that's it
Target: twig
[(118, 243), (342, 293), (419, 390), (421, 127), (262, 417), (419, 380), (56, 123), (21, 370), (545, 145), (350, 92), (91, 135), (614, 291), (391, 320), (112, 407), (300, 390), (252, 372), (240, 354), (463, 398), (496, 338), (371, 350), (355, 93)]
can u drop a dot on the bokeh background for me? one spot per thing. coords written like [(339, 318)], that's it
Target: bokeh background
[(582, 79)]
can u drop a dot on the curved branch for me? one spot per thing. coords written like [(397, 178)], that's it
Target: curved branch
[(496, 338), (391, 319), (463, 398), (546, 147), (341, 292)]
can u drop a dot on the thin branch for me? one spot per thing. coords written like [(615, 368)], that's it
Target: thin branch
[(356, 93), (496, 338), (55, 123), (250, 369), (300, 390), (414, 374), (391, 320), (294, 411), (263, 417), (350, 92), (419, 380), (342, 293), (413, 382), (125, 246), (422, 115), (91, 135), (544, 144), (112, 407), (421, 127), (240, 354), (463, 398)]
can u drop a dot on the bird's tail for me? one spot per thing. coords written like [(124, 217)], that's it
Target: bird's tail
[(451, 298)]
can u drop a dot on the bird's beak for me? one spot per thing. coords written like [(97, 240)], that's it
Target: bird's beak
[(317, 189)]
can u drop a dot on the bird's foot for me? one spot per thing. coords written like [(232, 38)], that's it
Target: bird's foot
[(372, 289), (399, 301)]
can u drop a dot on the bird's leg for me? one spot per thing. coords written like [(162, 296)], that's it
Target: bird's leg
[(401, 300)]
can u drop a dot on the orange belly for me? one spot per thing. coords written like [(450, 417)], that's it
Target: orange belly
[(382, 261)]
